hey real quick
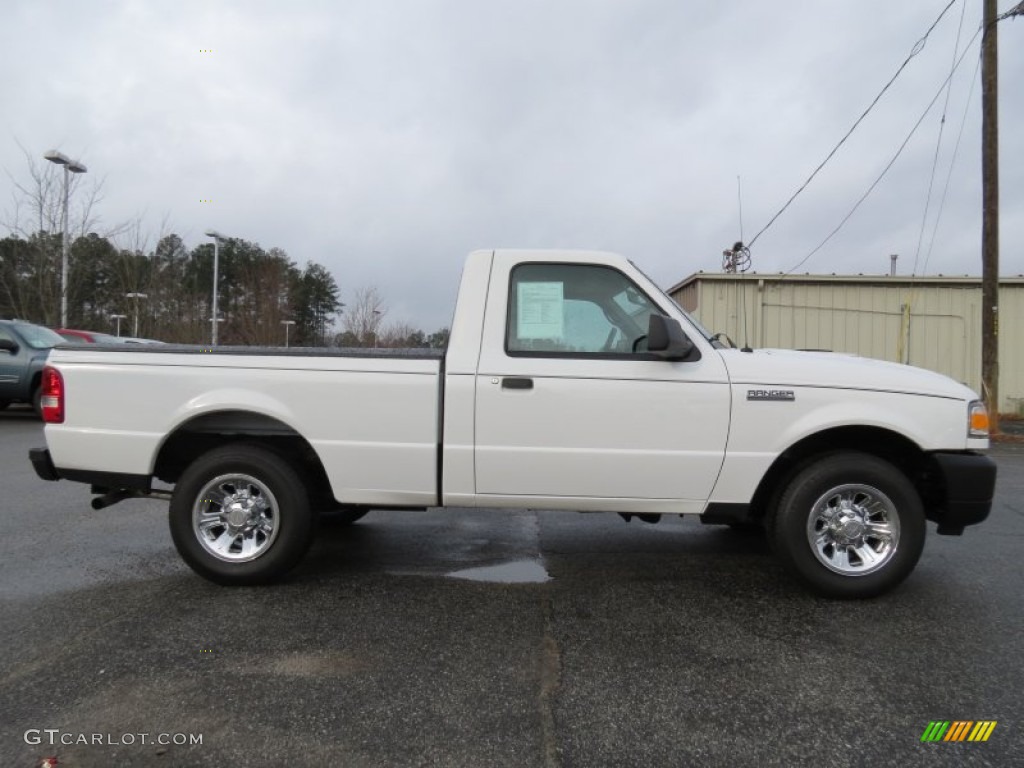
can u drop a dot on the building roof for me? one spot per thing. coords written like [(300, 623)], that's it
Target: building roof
[(898, 280)]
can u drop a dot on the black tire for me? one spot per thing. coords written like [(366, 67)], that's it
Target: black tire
[(269, 514), (866, 520)]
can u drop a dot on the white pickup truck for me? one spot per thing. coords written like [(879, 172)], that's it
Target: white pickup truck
[(570, 382)]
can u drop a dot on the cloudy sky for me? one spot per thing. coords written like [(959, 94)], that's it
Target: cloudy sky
[(386, 139)]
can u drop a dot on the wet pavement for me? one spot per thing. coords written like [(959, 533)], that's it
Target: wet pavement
[(492, 638), (515, 572)]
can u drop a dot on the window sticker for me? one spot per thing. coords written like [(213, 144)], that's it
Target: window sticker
[(541, 314)]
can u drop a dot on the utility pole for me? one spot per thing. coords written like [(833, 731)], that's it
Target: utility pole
[(990, 215)]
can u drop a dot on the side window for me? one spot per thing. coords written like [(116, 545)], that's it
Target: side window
[(575, 309)]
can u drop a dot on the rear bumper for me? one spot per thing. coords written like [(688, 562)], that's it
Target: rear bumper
[(969, 482), (102, 482), (43, 464)]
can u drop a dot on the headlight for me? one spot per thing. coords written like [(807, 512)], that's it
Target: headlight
[(977, 419)]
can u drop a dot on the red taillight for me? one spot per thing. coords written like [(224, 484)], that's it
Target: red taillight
[(52, 402)]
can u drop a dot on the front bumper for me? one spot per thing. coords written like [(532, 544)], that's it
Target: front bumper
[(43, 464), (968, 482)]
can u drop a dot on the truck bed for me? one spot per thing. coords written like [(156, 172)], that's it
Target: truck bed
[(371, 415), (417, 353)]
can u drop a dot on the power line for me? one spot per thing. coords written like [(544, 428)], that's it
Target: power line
[(952, 162), (918, 47), (1017, 10), (891, 162), (938, 142)]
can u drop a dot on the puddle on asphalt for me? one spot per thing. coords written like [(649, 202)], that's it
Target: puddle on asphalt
[(516, 572)]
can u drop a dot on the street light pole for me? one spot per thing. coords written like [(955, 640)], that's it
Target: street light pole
[(135, 296), (72, 166), (287, 327), (118, 318), (217, 237)]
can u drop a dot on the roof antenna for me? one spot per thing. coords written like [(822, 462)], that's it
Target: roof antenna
[(739, 199), (737, 260)]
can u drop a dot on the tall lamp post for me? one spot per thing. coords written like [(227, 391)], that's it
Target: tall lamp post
[(217, 237), (136, 296), (287, 327), (72, 166), (118, 318)]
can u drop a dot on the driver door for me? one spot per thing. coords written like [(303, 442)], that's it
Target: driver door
[(568, 412)]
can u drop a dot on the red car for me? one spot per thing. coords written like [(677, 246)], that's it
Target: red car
[(88, 337)]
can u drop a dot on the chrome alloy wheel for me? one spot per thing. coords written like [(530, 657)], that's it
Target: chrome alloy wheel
[(853, 529), (235, 517)]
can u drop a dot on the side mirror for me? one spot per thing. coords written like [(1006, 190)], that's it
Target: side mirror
[(665, 338), (9, 346)]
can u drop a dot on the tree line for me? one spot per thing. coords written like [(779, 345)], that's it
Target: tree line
[(169, 289), (165, 292), (259, 289)]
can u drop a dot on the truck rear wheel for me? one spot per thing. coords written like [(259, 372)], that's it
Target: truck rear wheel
[(240, 515), (851, 525)]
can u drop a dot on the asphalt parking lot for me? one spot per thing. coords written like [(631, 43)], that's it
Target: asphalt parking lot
[(650, 645)]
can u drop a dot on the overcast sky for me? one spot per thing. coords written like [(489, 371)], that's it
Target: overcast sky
[(386, 139)]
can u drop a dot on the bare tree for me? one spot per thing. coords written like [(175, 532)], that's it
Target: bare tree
[(35, 218), (400, 335), (364, 315), (38, 203)]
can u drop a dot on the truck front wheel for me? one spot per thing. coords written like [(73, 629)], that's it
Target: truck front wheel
[(240, 515), (851, 525)]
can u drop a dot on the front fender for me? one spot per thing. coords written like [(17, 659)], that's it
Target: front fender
[(762, 430)]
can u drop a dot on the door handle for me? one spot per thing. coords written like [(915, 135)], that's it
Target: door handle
[(516, 383)]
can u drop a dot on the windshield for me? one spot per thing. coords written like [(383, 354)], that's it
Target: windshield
[(706, 333), (72, 338), (38, 337)]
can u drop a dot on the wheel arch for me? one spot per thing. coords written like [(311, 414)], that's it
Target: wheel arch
[(897, 449), (203, 433)]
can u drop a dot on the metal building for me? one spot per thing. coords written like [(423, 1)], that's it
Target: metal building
[(931, 322)]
